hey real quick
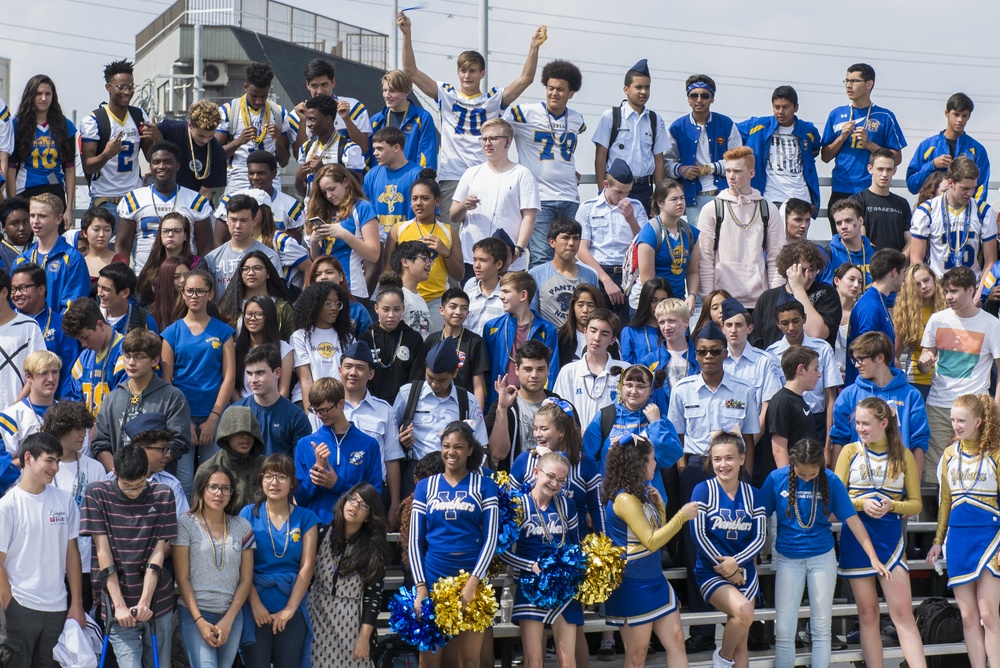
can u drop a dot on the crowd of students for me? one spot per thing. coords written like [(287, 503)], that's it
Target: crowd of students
[(213, 364)]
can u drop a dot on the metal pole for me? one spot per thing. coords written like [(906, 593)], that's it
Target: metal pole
[(198, 91), (484, 38), (394, 34)]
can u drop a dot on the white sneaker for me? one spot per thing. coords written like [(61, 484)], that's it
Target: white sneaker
[(719, 662)]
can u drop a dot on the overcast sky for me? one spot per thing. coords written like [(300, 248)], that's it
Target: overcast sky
[(748, 48)]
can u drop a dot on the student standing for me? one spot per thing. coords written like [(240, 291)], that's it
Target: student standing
[(203, 159), (223, 262), (100, 367), (416, 124), (675, 357), (489, 261), (66, 274), (588, 382), (788, 419), (887, 215), (387, 184), (757, 367), (919, 298), (871, 312), (322, 332), (282, 423), (883, 481), (116, 293), (557, 278), (23, 418), (641, 336), (667, 246), (399, 351), (472, 362)]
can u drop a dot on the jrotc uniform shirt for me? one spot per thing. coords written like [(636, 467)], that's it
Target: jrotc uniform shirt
[(546, 145), (122, 173), (850, 168), (236, 116), (461, 121), (634, 143), (606, 229), (757, 367), (697, 412), (147, 206), (953, 237)]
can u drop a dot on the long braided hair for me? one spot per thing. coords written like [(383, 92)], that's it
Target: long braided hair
[(808, 452)]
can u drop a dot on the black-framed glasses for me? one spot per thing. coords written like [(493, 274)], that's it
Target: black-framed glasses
[(709, 352), (253, 315), (22, 288), (320, 412), (253, 268), (358, 502), (858, 360), (196, 292), (171, 231), (224, 490), (274, 477)]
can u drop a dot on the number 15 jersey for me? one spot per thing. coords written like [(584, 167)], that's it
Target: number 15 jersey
[(462, 122), (546, 145)]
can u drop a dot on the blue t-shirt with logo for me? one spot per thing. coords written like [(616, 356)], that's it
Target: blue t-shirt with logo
[(198, 362)]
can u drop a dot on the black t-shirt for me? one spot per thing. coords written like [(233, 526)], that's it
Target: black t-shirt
[(788, 416), (472, 360), (822, 296), (887, 219), (177, 132), (400, 358)]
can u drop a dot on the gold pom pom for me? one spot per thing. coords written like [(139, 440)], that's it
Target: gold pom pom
[(451, 618), (506, 483), (605, 568)]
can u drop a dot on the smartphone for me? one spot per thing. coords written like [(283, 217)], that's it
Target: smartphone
[(317, 221)]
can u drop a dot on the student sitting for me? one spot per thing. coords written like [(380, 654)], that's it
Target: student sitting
[(241, 452)]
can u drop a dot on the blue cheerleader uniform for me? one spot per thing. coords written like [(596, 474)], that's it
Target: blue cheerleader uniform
[(864, 471), (583, 486), (727, 527), (452, 528), (541, 531), (968, 512), (642, 529)]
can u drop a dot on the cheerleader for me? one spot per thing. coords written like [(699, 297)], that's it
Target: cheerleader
[(555, 430), (453, 527), (968, 513), (883, 482), (804, 547), (550, 523), (728, 532), (637, 520)]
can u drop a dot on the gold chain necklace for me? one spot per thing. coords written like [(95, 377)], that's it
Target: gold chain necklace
[(813, 508), (194, 161), (736, 220), (271, 535)]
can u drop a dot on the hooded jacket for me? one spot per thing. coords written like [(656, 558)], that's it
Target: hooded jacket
[(860, 259), (158, 397), (904, 399), (246, 468)]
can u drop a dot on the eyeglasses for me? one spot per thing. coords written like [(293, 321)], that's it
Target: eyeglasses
[(123, 87), (130, 357), (358, 503), (858, 360), (699, 96), (552, 477), (635, 387), (709, 352), (132, 490), (162, 449), (22, 288), (320, 412), (851, 82), (334, 305), (253, 268), (275, 477), (196, 292), (224, 490), (253, 315), (171, 231), (492, 140)]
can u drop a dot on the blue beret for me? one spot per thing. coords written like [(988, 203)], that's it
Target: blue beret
[(146, 422), (360, 351), (711, 332), (443, 357), (641, 67), (620, 171), (731, 307), (784, 297), (502, 235)]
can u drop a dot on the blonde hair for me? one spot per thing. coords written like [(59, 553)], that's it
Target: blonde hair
[(40, 360), (908, 316), (51, 201), (506, 127), (205, 115), (398, 80), (674, 306), (983, 407)]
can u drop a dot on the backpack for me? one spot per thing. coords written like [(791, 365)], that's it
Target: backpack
[(607, 424), (940, 622), (411, 402), (104, 129), (392, 652), (616, 124), (765, 215), (630, 265)]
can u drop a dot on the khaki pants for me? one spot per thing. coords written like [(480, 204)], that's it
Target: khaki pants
[(942, 436)]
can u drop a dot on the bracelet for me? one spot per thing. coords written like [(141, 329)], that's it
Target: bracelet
[(519, 249), (200, 617), (448, 257), (216, 413)]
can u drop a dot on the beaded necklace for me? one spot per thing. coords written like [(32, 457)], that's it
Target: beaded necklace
[(561, 141), (813, 509), (975, 478), (961, 239), (879, 487), (288, 531), (544, 525), (225, 538), (207, 168)]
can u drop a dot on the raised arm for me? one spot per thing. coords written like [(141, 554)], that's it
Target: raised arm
[(426, 84), (520, 84)]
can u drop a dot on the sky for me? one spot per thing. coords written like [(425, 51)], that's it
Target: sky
[(748, 53)]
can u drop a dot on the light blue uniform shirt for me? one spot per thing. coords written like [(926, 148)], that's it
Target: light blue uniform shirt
[(697, 412), (606, 229), (634, 143), (376, 418), (433, 414), (759, 368)]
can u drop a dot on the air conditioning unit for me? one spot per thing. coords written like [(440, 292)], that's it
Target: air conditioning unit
[(215, 73)]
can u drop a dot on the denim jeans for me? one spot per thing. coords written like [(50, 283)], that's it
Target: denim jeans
[(281, 650), (693, 211), (134, 646), (791, 575), (188, 464), (199, 653), (538, 245)]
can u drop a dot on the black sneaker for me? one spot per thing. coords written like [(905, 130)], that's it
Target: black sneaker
[(854, 635), (606, 652), (757, 638), (698, 644)]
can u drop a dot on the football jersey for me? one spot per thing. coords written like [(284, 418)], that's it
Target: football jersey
[(121, 173), (44, 165), (147, 206), (96, 374), (6, 133), (359, 115), (462, 118), (288, 212), (233, 123), (329, 154), (546, 145), (953, 237)]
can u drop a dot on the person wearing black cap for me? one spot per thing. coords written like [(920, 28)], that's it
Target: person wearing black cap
[(757, 367), (610, 221), (281, 422), (438, 403), (376, 418), (633, 133), (697, 142), (701, 405)]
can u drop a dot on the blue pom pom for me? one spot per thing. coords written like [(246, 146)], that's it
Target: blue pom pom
[(563, 569), (422, 633)]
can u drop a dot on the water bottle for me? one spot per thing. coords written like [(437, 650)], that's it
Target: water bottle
[(506, 605)]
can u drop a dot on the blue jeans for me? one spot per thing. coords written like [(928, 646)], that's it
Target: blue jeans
[(791, 575), (281, 650), (188, 464), (693, 211), (134, 646), (538, 245), (199, 653)]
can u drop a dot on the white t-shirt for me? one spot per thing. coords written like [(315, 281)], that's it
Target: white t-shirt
[(587, 392), (501, 195), (784, 167), (546, 145), (416, 314), (966, 349), (321, 351), (461, 120), (35, 530), (75, 477), (121, 173), (18, 338)]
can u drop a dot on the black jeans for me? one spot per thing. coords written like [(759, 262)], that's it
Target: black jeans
[(31, 636)]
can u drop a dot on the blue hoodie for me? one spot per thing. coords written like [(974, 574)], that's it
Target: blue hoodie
[(839, 255), (666, 446), (900, 395)]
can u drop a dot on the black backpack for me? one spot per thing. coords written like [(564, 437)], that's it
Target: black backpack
[(616, 124), (765, 217), (392, 652), (940, 622), (104, 128), (411, 402)]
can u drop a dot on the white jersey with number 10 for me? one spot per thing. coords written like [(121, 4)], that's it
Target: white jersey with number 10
[(463, 119)]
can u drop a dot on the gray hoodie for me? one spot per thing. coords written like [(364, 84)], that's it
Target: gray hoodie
[(158, 397)]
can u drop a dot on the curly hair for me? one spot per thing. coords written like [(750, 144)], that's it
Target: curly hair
[(116, 67), (625, 470), (232, 300), (478, 454), (800, 250), (565, 70), (880, 410), (66, 416), (366, 552), (312, 300), (908, 316), (808, 452), (983, 407), (571, 442), (27, 123), (205, 115), (259, 75)]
